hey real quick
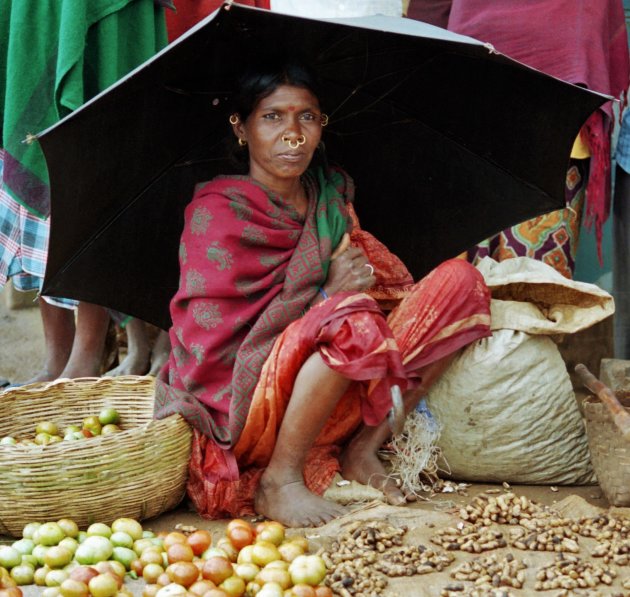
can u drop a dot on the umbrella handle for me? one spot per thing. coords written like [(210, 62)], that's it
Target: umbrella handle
[(619, 414)]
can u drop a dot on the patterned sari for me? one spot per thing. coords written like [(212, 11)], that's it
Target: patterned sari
[(242, 329)]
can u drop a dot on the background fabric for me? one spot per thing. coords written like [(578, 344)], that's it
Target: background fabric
[(55, 55)]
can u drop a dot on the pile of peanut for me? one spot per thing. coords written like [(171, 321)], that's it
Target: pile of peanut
[(490, 572), (571, 572), (473, 538), (360, 561)]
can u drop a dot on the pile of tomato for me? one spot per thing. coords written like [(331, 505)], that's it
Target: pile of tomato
[(247, 561)]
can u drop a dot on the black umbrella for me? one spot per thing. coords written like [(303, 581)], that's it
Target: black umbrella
[(448, 143)]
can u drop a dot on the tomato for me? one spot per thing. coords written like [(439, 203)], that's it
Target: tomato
[(216, 593), (200, 541), (29, 530), (307, 569), (47, 427), (174, 537), (69, 543), (23, 574), (124, 555), (128, 525), (245, 555), (103, 585), (303, 591), (99, 529), (237, 522), (322, 591), (264, 552), (121, 539), (92, 424), (281, 564), (49, 533), (73, 588), (240, 536), (275, 575), (141, 544), (69, 527), (183, 573), (39, 577), (9, 557), (58, 556), (226, 545), (299, 540), (247, 572), (108, 416), (51, 592), (271, 531), (201, 587), (289, 551), (171, 590), (233, 586), (163, 580), (217, 569), (271, 589), (83, 574), (55, 577), (179, 552), (151, 556)]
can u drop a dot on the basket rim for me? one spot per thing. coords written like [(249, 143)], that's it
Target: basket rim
[(43, 386)]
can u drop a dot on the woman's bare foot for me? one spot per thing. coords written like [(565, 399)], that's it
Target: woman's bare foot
[(360, 463), (293, 504)]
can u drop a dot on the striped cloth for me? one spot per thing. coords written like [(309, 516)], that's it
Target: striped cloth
[(622, 154), (23, 246)]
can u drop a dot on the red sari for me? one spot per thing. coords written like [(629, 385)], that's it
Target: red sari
[(209, 378)]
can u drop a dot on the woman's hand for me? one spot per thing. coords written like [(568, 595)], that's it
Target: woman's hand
[(349, 270)]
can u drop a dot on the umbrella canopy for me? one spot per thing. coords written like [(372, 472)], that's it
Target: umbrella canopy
[(448, 143)]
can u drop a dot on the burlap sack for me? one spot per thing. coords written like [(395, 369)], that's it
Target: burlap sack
[(506, 404)]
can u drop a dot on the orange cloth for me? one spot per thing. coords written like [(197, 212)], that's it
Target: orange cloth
[(443, 312)]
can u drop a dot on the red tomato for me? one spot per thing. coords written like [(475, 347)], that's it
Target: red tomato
[(200, 541), (240, 536)]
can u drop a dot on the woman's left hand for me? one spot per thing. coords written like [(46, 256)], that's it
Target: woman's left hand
[(349, 271)]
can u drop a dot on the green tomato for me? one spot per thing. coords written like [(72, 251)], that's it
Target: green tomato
[(99, 529), (128, 525), (23, 574), (29, 530), (148, 534), (39, 552), (308, 570), (30, 559), (47, 427), (108, 416), (69, 527), (24, 546), (9, 557), (82, 536), (58, 556), (104, 585), (125, 556), (50, 533), (69, 543), (55, 577), (120, 539), (8, 441)]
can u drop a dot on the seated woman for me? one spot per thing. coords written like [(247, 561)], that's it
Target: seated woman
[(281, 360)]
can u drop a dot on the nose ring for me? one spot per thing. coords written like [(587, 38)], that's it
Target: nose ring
[(301, 139)]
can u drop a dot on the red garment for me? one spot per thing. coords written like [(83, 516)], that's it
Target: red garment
[(445, 311), (434, 12), (189, 12), (249, 266), (580, 41)]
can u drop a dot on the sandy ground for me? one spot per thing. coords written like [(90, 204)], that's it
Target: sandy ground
[(22, 352)]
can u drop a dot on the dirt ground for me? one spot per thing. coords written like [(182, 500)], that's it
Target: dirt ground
[(22, 352)]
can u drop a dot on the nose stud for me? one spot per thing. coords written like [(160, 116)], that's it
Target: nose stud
[(300, 140)]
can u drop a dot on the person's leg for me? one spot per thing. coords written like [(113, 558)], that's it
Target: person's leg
[(137, 360), (360, 461), (59, 329), (89, 342), (160, 352), (282, 494)]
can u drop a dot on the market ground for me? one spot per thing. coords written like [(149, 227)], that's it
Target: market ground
[(22, 352)]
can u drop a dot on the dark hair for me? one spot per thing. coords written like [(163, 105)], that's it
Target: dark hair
[(261, 80)]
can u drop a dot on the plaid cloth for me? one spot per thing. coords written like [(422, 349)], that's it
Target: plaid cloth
[(23, 246), (622, 153)]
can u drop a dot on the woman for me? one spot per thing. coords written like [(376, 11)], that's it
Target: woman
[(280, 360)]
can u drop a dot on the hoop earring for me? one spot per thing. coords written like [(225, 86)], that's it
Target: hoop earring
[(242, 142), (324, 119), (234, 119)]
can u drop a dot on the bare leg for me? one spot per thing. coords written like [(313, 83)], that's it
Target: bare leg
[(138, 351), (58, 326), (360, 461), (89, 342), (160, 352), (282, 494)]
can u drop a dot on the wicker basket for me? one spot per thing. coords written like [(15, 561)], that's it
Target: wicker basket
[(610, 453), (139, 472)]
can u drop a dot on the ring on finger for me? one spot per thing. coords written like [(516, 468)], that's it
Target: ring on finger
[(371, 268)]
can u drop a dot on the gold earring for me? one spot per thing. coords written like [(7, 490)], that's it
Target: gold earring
[(324, 119), (242, 142), (234, 119)]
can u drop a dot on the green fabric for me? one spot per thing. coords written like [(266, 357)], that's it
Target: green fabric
[(332, 222), (54, 56)]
